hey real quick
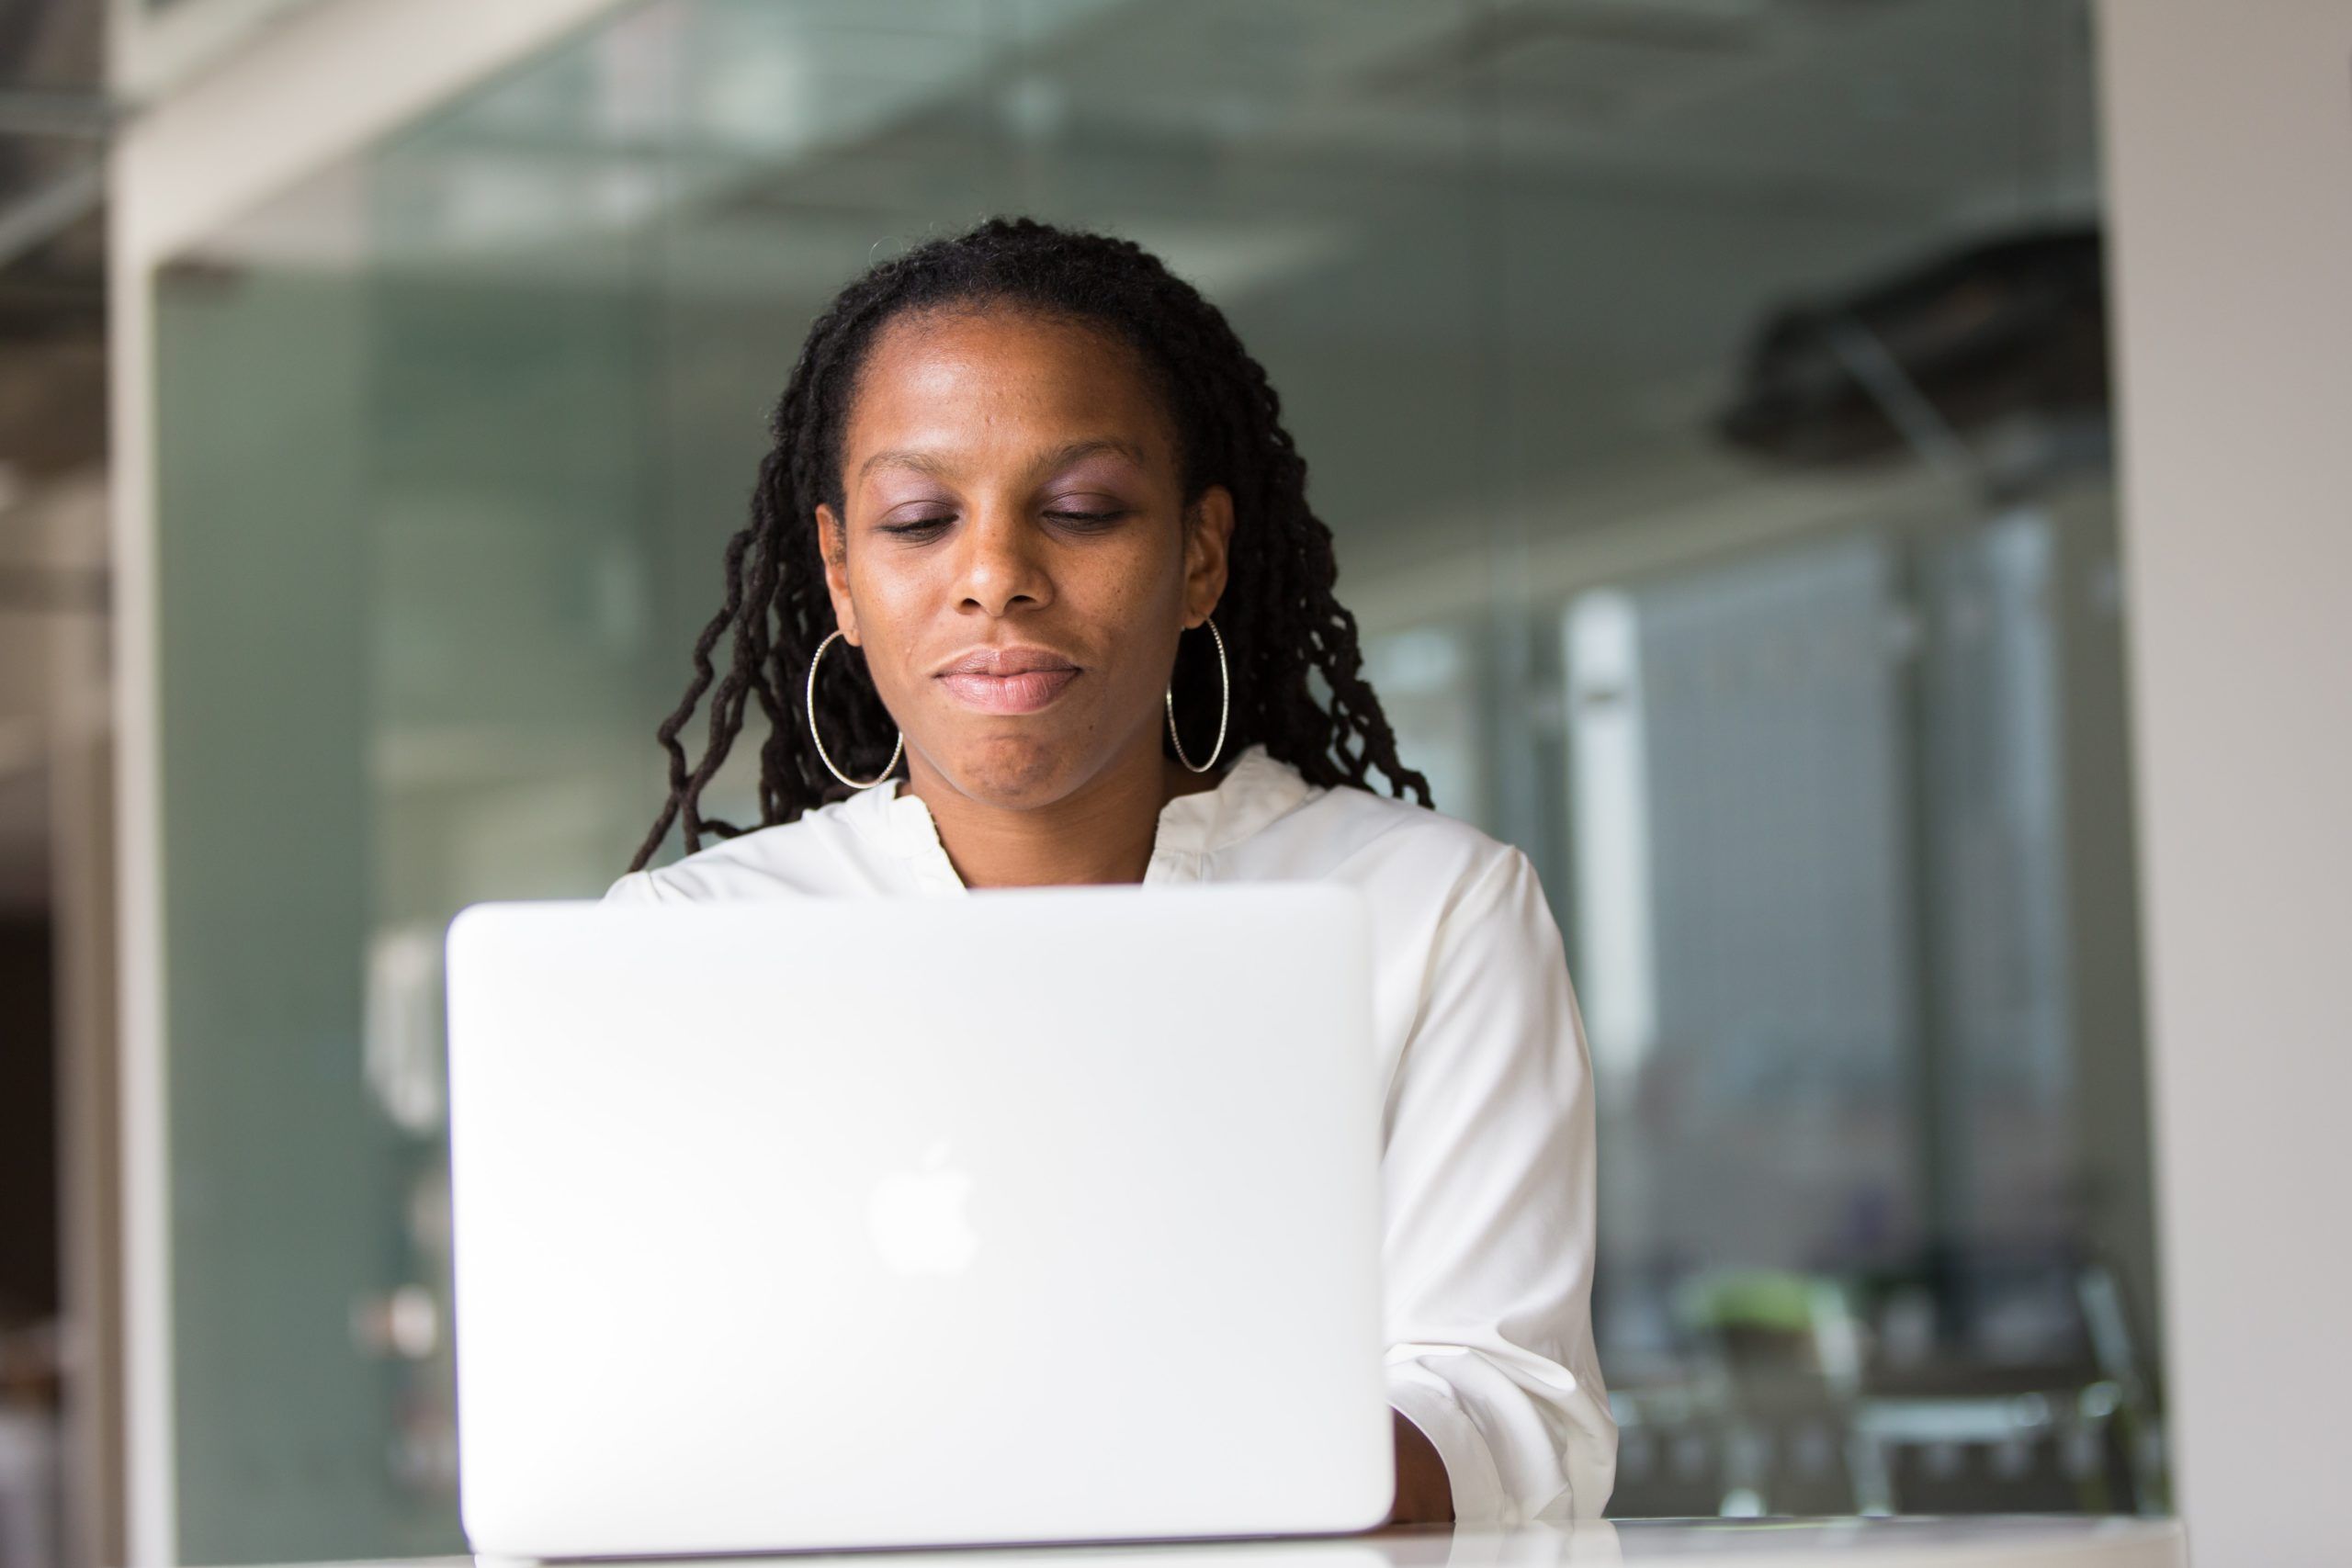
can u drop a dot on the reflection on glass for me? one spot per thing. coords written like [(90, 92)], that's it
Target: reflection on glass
[(1813, 737)]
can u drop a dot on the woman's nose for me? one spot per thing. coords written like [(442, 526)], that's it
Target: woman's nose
[(1001, 566)]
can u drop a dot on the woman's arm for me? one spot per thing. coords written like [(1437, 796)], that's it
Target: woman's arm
[(1488, 1177), (1424, 1496)]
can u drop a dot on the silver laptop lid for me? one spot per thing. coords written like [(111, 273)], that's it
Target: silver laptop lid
[(1031, 1216)]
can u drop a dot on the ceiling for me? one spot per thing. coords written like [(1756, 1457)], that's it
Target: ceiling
[(1591, 202)]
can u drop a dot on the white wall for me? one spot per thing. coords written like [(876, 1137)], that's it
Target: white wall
[(2230, 153)]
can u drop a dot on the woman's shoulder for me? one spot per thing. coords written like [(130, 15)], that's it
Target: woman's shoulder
[(1359, 833), (817, 853), (1442, 892)]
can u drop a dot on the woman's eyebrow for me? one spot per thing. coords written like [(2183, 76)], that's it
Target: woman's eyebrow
[(929, 463), (940, 467), (1061, 458)]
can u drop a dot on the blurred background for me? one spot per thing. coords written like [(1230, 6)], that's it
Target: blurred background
[(1712, 402)]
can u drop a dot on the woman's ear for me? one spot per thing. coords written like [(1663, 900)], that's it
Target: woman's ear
[(1208, 538), (832, 543)]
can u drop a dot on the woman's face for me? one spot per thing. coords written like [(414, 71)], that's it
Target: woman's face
[(1015, 561)]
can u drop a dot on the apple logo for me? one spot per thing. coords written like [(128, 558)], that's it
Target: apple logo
[(917, 1217)]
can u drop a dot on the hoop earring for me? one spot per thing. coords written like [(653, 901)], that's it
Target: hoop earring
[(1225, 705), (810, 702)]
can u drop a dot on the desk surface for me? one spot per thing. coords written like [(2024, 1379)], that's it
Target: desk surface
[(2010, 1541)]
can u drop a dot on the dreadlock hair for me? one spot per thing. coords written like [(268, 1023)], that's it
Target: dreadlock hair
[(1279, 619)]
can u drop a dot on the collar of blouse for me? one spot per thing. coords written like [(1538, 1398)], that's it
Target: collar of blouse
[(1253, 792)]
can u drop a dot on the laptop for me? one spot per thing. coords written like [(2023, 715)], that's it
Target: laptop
[(1035, 1215)]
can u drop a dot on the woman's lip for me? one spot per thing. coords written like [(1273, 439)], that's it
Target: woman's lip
[(1006, 693)]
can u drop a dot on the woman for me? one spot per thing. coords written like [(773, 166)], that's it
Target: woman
[(1030, 509)]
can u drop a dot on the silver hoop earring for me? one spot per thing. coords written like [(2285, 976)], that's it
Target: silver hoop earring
[(822, 755), (1225, 705)]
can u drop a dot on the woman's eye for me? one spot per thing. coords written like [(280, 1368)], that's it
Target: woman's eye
[(928, 527)]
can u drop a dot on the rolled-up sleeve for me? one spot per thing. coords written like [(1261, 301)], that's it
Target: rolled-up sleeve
[(1488, 1176)]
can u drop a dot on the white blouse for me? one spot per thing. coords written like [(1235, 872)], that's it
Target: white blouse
[(1488, 1167)]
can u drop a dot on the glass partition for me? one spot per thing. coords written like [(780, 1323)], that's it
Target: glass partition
[(1688, 388)]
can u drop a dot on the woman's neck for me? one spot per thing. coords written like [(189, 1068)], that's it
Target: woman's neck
[(1101, 832)]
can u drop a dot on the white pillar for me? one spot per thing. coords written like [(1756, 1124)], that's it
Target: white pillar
[(2229, 149)]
